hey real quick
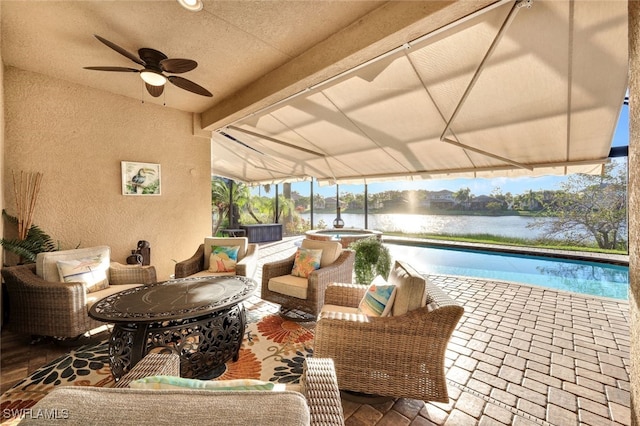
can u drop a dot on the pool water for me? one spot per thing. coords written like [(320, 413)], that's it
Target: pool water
[(594, 278)]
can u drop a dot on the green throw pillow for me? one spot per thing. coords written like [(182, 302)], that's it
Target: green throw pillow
[(173, 382)]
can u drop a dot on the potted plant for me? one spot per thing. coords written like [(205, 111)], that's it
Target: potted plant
[(372, 258), (36, 241)]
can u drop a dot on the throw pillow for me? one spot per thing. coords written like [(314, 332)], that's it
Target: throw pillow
[(223, 258), (173, 382), (378, 300), (92, 271), (305, 262)]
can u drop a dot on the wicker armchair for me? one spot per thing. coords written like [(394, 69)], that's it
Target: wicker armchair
[(41, 305), (306, 294), (400, 356), (198, 264)]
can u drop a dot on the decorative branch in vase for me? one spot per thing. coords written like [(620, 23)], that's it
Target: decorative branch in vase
[(31, 239)]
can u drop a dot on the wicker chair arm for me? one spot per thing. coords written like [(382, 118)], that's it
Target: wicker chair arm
[(131, 274), (418, 322), (320, 387), (153, 364), (339, 271), (191, 266), (343, 294), (31, 299), (22, 279), (248, 265)]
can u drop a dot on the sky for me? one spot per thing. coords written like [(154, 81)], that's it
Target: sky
[(478, 186)]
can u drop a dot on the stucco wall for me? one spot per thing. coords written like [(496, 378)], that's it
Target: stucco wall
[(77, 137)]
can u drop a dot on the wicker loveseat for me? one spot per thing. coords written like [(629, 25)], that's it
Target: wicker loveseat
[(316, 401), (402, 355), (41, 304)]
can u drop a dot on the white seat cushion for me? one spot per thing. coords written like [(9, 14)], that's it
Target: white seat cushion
[(340, 309), (112, 289), (331, 250), (289, 285), (47, 262)]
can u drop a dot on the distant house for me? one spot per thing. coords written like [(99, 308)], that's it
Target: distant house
[(330, 203), (396, 203), (480, 202), (443, 199)]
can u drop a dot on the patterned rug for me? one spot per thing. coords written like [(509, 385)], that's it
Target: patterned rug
[(273, 349)]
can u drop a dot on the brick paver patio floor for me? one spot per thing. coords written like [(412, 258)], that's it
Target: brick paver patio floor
[(521, 355)]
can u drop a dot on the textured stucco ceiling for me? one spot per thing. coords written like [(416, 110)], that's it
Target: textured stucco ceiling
[(248, 52), (234, 42)]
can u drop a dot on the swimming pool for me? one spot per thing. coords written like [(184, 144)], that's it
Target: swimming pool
[(598, 279)]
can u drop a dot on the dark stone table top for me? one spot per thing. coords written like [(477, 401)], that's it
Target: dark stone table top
[(174, 299)]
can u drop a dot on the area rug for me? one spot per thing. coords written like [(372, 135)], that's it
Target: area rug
[(273, 349)]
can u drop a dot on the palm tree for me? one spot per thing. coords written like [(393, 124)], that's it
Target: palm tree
[(221, 196), (463, 197), (286, 207)]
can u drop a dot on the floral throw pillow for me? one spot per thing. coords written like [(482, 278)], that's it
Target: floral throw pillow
[(223, 258), (306, 261), (378, 300)]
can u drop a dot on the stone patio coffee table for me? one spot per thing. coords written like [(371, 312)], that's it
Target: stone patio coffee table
[(202, 319)]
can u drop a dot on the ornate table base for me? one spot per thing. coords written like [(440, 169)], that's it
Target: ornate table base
[(204, 343)]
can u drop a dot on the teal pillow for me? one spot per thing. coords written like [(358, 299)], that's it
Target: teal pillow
[(378, 300), (173, 382)]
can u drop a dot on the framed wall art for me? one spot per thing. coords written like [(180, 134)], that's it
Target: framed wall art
[(140, 178)]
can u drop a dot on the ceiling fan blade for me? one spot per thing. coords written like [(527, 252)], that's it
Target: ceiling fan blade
[(189, 85), (120, 50), (118, 69), (177, 66), (154, 91)]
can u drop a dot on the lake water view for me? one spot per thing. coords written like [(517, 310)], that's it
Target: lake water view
[(506, 226)]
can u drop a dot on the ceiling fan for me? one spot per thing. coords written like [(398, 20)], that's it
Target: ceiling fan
[(155, 64)]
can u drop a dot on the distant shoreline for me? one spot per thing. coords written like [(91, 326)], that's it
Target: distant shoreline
[(431, 212)]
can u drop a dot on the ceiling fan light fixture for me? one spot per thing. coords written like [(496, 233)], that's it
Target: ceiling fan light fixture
[(191, 5), (153, 78)]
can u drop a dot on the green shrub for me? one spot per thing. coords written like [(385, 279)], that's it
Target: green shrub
[(372, 258)]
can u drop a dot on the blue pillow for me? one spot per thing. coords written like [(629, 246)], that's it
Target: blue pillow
[(378, 300)]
